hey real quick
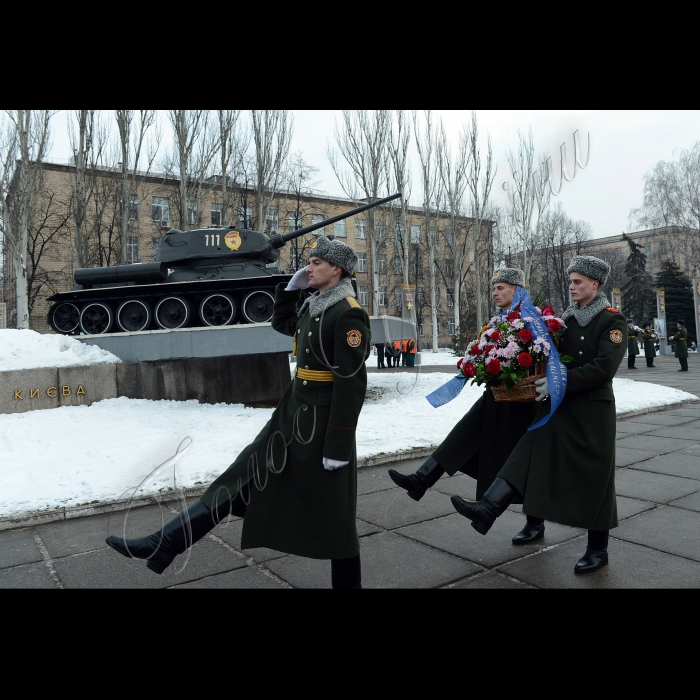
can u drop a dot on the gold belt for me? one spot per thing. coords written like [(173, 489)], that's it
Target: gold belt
[(314, 375)]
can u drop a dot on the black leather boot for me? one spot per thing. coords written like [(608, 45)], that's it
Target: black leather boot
[(346, 573), (173, 538), (483, 513), (533, 530), (596, 553), (417, 484)]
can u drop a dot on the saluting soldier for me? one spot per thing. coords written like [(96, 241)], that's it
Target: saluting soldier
[(632, 344), (302, 465), (565, 469), (681, 343), (650, 340), (482, 440)]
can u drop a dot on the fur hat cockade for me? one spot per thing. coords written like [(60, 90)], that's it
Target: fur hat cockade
[(511, 275), (590, 266), (335, 252)]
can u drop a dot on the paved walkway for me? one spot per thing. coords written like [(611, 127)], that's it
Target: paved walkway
[(405, 544)]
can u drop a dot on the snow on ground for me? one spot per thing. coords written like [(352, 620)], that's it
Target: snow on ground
[(25, 349), (77, 454)]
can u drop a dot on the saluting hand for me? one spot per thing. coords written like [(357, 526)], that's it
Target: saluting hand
[(299, 281)]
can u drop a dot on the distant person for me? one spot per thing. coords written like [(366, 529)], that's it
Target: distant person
[(380, 355), (681, 344), (404, 353), (650, 340), (411, 353), (632, 344), (389, 354), (397, 352)]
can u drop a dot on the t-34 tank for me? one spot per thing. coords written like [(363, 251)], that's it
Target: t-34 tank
[(207, 277)]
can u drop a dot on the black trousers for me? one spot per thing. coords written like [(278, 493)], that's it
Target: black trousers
[(598, 539), (684, 363), (346, 573), (650, 361), (630, 361)]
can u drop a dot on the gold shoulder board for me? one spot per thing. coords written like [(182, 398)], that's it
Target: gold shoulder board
[(353, 302)]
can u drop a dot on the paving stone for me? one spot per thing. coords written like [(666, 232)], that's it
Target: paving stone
[(676, 464), (691, 502), (249, 578), (391, 509), (681, 431), (18, 547), (654, 445), (648, 486), (458, 485), (491, 579), (406, 466), (302, 572), (635, 428), (86, 534), (657, 418), (692, 411), (624, 456), (627, 507), (669, 529), (369, 483), (455, 535), (631, 566), (27, 576), (231, 534), (105, 568), (364, 529)]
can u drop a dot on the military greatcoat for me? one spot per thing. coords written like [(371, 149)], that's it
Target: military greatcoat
[(650, 339), (681, 341), (632, 344), (483, 439), (565, 469), (295, 504)]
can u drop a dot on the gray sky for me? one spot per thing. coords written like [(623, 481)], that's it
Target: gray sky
[(625, 144)]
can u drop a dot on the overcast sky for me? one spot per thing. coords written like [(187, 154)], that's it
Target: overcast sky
[(625, 144)]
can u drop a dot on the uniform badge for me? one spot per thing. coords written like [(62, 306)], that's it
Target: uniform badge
[(354, 338), (616, 336), (315, 243), (233, 240)]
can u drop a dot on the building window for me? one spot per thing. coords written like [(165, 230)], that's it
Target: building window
[(192, 213), (647, 250), (420, 296), (648, 267), (398, 298), (295, 219), (155, 242), (217, 211), (450, 299), (398, 265), (449, 237), (382, 296), (245, 217), (662, 248), (451, 326), (360, 228), (381, 262), (317, 219), (362, 294), (450, 268), (133, 207), (618, 255), (422, 332), (362, 262), (398, 233), (339, 229), (272, 222), (415, 234), (437, 327), (132, 249), (380, 233), (160, 210)]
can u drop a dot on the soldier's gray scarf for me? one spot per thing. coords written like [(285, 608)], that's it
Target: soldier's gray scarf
[(319, 301), (586, 314)]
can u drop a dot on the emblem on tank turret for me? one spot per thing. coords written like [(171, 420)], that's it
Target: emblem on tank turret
[(233, 240)]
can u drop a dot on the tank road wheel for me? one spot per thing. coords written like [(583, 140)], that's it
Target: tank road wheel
[(257, 307), (217, 310), (134, 315), (172, 312), (96, 319), (66, 317)]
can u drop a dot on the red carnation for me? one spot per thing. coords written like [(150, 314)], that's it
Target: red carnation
[(547, 311), (488, 348), (475, 350), (525, 335), (459, 362), (468, 370), (496, 336), (493, 367), (525, 359), (553, 325), (513, 316)]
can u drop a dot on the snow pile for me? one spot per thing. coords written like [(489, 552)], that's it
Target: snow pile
[(25, 349), (45, 462)]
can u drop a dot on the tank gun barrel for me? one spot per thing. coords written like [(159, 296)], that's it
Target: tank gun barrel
[(280, 240)]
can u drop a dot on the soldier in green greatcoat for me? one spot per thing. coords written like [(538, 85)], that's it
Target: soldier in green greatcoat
[(482, 440), (632, 344), (681, 342), (295, 485), (565, 469), (650, 339)]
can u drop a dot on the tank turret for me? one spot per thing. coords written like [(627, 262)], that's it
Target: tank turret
[(212, 276)]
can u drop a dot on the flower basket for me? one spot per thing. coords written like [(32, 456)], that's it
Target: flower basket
[(524, 391)]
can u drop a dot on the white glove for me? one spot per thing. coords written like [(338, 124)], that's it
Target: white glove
[(331, 464), (542, 389), (671, 337), (299, 281)]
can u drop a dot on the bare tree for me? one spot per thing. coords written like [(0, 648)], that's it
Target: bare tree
[(234, 143), (272, 136), (24, 141), (400, 175), (363, 141), (132, 141)]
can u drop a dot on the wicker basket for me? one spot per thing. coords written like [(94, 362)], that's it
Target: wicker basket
[(524, 391)]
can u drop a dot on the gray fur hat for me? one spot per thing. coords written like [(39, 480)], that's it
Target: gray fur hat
[(335, 252), (590, 266), (511, 275)]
